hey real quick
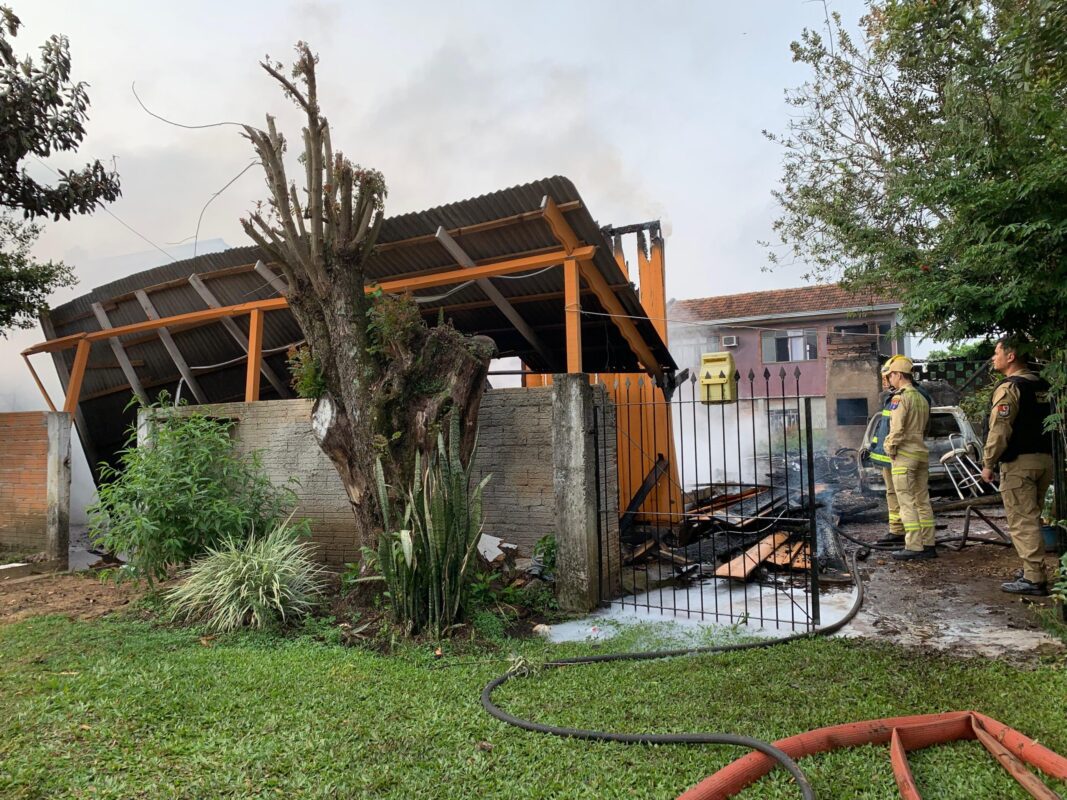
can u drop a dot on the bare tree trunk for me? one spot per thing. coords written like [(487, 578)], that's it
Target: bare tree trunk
[(391, 381)]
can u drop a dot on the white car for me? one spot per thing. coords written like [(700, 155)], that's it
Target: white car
[(945, 421)]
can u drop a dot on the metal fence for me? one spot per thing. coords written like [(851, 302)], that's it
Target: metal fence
[(716, 511)]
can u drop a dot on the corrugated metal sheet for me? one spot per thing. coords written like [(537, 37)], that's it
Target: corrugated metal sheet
[(469, 309)]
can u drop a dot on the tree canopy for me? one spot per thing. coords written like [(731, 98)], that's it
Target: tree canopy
[(43, 112), (928, 159)]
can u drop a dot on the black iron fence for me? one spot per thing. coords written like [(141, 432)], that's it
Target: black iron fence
[(716, 500)]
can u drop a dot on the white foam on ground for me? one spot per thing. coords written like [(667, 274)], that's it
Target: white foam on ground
[(714, 605)]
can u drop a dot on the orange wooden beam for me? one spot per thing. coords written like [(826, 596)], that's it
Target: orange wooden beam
[(192, 318), (622, 321), (653, 283), (77, 374), (506, 267), (573, 314), (37, 380), (482, 271), (255, 355), (563, 232), (569, 239)]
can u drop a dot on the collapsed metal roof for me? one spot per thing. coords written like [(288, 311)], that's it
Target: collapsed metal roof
[(505, 224)]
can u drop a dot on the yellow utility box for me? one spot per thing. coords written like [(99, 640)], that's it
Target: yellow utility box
[(718, 382)]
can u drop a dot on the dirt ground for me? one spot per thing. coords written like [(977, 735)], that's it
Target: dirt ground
[(953, 603), (78, 596)]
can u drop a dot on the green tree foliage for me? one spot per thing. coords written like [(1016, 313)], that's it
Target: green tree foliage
[(24, 283), (965, 351), (43, 112), (928, 160), (181, 492)]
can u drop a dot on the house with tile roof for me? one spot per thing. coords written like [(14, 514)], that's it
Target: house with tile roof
[(836, 338)]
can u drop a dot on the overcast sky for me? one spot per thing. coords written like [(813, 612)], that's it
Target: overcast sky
[(654, 110)]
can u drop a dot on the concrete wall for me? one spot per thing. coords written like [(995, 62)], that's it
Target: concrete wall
[(280, 430), (514, 444), (35, 484)]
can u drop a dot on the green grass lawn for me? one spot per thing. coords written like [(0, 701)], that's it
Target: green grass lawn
[(120, 709)]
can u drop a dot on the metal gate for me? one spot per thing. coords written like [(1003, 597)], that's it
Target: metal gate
[(706, 510)]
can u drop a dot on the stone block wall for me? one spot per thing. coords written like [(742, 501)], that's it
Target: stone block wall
[(35, 484), (515, 446), (280, 431)]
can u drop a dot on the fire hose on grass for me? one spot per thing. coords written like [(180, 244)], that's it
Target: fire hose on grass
[(759, 745), (1009, 747)]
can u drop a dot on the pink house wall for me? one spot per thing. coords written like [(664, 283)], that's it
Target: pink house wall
[(748, 355)]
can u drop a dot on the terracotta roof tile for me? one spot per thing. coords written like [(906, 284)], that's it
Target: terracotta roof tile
[(758, 305)]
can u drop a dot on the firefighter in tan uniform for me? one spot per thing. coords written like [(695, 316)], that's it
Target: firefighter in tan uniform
[(909, 414), (876, 454), (1018, 445)]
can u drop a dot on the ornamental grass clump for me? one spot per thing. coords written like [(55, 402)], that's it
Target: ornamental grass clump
[(251, 583), (426, 555)]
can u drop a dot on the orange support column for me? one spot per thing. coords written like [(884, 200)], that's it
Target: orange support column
[(77, 374), (573, 314), (255, 355)]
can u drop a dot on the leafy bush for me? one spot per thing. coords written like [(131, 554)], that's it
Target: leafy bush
[(1059, 588), (183, 491), (425, 556), (250, 583), (545, 552)]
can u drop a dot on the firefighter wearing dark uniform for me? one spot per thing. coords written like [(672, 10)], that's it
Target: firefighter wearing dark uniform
[(1018, 445), (909, 415), (877, 454)]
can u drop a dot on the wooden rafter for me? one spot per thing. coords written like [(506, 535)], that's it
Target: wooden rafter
[(172, 348), (498, 300), (225, 314), (120, 353), (237, 335)]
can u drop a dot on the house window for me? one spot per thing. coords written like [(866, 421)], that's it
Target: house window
[(860, 330), (886, 340), (852, 411), (796, 345)]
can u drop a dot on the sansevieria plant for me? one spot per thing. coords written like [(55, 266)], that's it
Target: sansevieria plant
[(425, 554)]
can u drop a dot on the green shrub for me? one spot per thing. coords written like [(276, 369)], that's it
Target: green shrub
[(183, 491), (1059, 589), (425, 557), (250, 583), (545, 551)]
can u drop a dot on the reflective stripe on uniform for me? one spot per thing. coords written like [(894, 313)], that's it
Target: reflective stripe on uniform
[(926, 523), (881, 459), (886, 413), (900, 470), (920, 456), (893, 517), (912, 526)]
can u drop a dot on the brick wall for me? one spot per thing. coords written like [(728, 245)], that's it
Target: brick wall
[(24, 482), (514, 444)]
